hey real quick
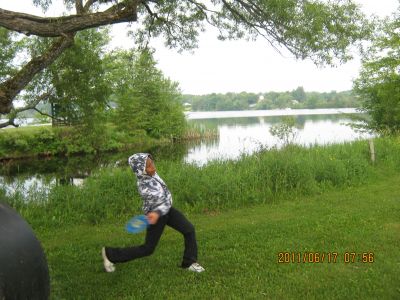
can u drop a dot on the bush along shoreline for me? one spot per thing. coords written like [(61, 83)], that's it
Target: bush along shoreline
[(42, 141), (265, 177)]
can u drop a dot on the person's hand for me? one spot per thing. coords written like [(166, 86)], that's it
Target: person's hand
[(152, 217)]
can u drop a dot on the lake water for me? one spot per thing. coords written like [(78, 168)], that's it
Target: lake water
[(239, 132), (247, 132)]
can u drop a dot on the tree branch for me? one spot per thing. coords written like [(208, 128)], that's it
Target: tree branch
[(14, 112), (54, 27), (261, 29), (11, 88), (203, 9), (46, 115), (79, 7), (33, 104), (88, 4)]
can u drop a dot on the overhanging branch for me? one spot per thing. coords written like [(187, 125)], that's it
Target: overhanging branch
[(12, 87), (32, 105), (57, 26)]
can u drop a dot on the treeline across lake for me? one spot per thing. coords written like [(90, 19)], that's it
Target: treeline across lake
[(297, 98)]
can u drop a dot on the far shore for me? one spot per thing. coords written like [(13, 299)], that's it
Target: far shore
[(197, 115)]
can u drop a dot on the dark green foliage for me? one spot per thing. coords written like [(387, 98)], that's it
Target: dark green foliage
[(378, 85), (24, 142), (77, 88), (78, 77), (44, 141), (146, 100), (147, 103), (7, 53), (15, 143)]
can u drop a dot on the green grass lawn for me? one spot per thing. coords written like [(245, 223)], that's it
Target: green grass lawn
[(239, 249)]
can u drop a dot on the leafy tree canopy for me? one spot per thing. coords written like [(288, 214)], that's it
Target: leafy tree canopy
[(320, 30), (74, 83), (378, 84), (147, 103)]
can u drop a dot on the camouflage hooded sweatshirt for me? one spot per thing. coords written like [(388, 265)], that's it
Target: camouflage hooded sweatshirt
[(153, 190)]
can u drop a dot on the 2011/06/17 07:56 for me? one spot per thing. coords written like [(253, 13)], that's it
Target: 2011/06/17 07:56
[(328, 257)]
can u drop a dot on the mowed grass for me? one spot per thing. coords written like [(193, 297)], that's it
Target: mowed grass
[(239, 249)]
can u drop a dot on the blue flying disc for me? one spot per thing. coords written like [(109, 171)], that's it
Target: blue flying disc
[(137, 224)]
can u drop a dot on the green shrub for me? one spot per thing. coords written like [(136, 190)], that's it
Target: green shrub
[(32, 141)]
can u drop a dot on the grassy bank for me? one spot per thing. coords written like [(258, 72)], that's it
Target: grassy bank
[(266, 177), (239, 249), (46, 140)]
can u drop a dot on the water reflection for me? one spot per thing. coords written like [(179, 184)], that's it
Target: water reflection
[(247, 135), (36, 174)]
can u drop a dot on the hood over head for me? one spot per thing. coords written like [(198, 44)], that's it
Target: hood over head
[(138, 163)]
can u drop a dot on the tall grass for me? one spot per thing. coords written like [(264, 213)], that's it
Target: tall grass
[(240, 251), (199, 131), (265, 177)]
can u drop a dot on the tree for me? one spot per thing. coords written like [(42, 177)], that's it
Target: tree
[(299, 94), (9, 49), (312, 101), (78, 77), (315, 29), (283, 100), (75, 83), (147, 102), (378, 84), (285, 131)]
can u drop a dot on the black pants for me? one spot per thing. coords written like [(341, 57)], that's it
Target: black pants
[(174, 219)]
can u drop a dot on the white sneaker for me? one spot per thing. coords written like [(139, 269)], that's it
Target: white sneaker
[(195, 267), (108, 265)]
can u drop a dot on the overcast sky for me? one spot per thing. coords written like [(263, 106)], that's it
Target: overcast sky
[(236, 66)]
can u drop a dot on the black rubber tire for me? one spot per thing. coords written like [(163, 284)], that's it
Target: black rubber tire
[(24, 273)]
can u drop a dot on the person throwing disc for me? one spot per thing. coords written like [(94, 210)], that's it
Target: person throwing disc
[(157, 206)]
